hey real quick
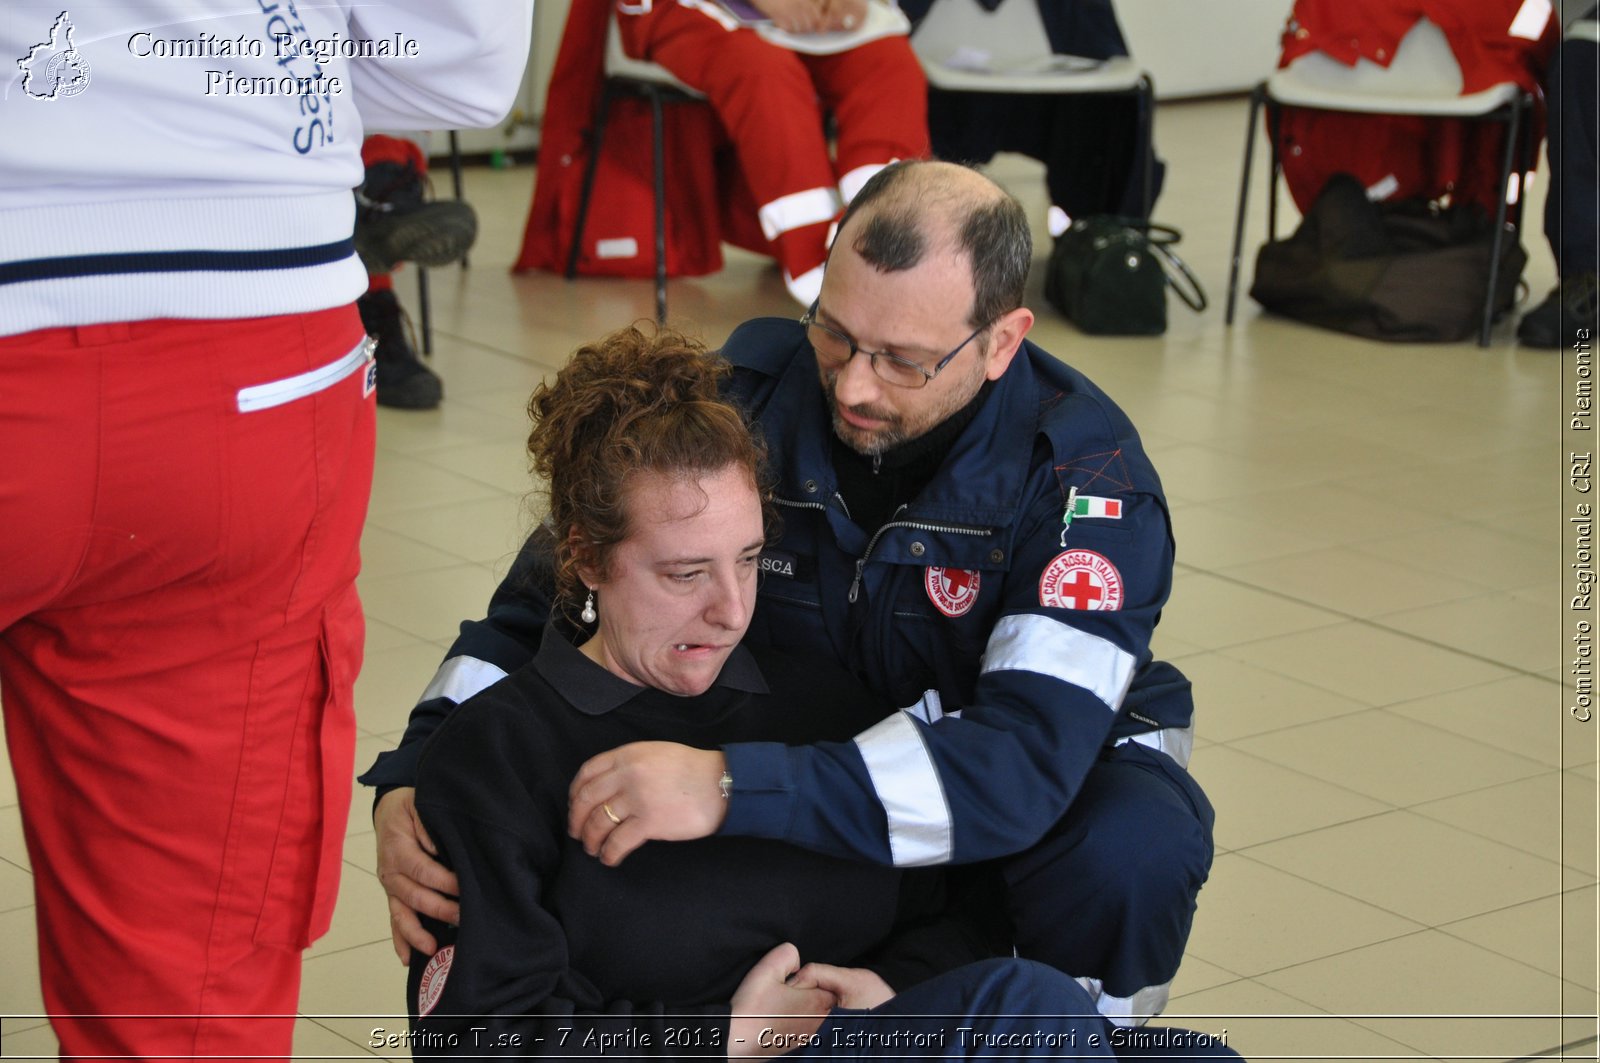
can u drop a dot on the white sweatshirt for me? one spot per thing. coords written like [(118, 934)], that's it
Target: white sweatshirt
[(194, 158)]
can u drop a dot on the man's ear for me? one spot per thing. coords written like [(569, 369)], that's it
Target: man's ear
[(1005, 340)]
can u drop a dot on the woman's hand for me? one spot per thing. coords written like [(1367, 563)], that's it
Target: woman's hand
[(645, 791), (413, 879), (843, 14), (855, 987), (795, 16), (771, 1014)]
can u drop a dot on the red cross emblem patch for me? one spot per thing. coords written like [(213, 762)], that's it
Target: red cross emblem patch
[(1080, 579), (433, 978), (953, 591)]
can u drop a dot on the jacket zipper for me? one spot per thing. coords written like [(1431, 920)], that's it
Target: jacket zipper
[(861, 563)]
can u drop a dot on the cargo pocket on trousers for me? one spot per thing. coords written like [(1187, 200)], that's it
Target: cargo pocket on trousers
[(308, 852)]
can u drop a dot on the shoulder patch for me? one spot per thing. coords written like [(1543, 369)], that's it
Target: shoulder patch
[(1082, 580), (1095, 508), (433, 978)]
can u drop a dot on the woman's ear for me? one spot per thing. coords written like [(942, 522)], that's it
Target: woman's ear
[(584, 553)]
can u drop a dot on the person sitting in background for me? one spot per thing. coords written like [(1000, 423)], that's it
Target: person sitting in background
[(772, 100), (395, 223), (660, 504), (1092, 147), (1571, 220)]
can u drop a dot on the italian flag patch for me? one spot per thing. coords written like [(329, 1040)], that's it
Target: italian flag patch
[(1090, 506)]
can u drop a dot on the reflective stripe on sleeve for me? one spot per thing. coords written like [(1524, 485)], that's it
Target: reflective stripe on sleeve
[(1028, 642), (461, 677), (797, 210), (908, 786), (1532, 17)]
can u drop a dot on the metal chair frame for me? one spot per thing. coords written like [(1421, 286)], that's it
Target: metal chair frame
[(424, 308), (1024, 66), (1506, 104), (625, 76)]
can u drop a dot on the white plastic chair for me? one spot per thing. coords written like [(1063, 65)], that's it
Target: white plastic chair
[(626, 76), (1423, 78), (964, 48)]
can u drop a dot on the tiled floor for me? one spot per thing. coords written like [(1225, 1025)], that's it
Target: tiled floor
[(1369, 597)]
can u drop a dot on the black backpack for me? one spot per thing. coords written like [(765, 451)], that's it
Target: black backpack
[(1408, 271)]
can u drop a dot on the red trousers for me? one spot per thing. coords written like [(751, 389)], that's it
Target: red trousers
[(180, 513), (771, 102), (376, 148)]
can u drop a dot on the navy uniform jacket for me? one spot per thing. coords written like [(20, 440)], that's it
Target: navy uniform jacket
[(1016, 641)]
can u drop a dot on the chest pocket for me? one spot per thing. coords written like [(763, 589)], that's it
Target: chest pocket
[(939, 626)]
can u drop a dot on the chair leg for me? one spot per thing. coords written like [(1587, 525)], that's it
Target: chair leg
[(455, 175), (1513, 132), (1274, 139), (1244, 199), (425, 311), (595, 146), (1525, 151), (1147, 114), (658, 134)]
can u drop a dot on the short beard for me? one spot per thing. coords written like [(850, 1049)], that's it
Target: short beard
[(891, 436)]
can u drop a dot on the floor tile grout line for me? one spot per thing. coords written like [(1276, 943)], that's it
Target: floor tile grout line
[(1244, 854), (1368, 622), (1558, 773)]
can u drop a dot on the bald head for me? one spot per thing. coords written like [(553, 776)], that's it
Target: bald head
[(914, 209)]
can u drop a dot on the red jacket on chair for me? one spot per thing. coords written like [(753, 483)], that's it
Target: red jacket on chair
[(1493, 40)]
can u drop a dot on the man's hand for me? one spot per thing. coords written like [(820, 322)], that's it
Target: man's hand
[(794, 16), (645, 791), (767, 1002), (855, 987), (414, 880)]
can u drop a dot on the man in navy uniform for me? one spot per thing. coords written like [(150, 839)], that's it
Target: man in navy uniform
[(974, 529)]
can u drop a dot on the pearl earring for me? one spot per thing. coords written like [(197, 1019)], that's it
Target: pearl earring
[(589, 616)]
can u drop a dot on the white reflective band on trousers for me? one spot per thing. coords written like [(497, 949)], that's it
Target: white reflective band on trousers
[(909, 788), (1175, 742), (1136, 1010), (805, 288), (851, 183), (797, 210), (461, 677), (1028, 642)]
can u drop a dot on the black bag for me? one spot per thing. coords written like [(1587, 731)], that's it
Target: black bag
[(1109, 276), (1408, 271)]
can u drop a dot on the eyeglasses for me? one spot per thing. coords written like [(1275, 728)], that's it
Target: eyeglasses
[(834, 348)]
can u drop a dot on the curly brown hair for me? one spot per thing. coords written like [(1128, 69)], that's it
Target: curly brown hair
[(629, 403)]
